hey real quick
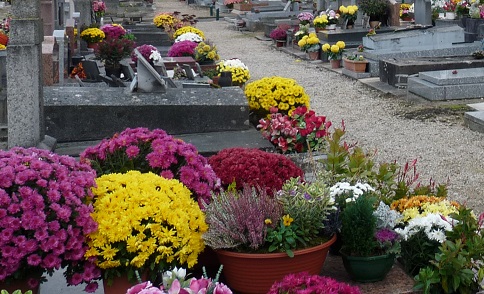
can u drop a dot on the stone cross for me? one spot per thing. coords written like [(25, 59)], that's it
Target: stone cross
[(25, 101)]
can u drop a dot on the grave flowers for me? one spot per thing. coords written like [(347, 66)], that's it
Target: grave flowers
[(320, 21), (183, 48), (145, 223), (335, 52), (188, 29), (206, 53), (149, 52), (111, 51), (278, 34), (165, 20), (301, 131), (333, 17), (99, 8), (298, 282), (188, 36), (44, 216), (309, 43), (115, 31), (240, 71), (405, 12), (305, 18), (349, 13), (92, 35)]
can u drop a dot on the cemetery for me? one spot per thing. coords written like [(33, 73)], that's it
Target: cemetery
[(140, 139)]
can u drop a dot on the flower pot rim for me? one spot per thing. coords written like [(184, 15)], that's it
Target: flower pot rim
[(372, 257), (355, 61), (249, 255)]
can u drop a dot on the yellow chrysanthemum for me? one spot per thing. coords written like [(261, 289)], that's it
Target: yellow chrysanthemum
[(341, 44), (335, 48), (326, 47)]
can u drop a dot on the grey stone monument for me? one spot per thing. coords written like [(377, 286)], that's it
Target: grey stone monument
[(84, 8), (24, 79), (47, 15), (423, 12)]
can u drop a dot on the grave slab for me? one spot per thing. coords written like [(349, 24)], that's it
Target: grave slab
[(85, 113), (477, 106), (454, 77), (475, 121), (355, 75)]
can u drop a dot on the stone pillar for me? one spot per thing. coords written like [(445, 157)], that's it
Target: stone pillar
[(423, 12), (394, 18), (25, 103), (84, 7), (47, 15)]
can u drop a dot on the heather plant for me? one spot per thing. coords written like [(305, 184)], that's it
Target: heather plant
[(154, 151), (306, 283), (253, 167), (44, 216)]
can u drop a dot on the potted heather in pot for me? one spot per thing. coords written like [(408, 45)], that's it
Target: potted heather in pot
[(279, 36), (261, 238), (44, 217)]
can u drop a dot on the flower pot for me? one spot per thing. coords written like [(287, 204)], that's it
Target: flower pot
[(331, 27), (441, 15), (255, 273), (121, 284), (19, 285), (280, 43), (225, 79), (113, 70), (92, 45), (319, 29), (3, 39), (335, 63), (355, 65), (313, 55), (450, 15), (374, 23), (368, 269)]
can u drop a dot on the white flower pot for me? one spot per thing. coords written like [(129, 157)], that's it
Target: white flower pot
[(441, 15), (331, 27), (450, 15)]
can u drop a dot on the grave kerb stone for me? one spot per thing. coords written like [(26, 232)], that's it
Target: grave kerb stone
[(454, 77)]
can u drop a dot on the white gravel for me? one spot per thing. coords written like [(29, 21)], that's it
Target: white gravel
[(445, 151)]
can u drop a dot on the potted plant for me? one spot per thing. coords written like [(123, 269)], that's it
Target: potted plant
[(206, 53), (320, 22), (375, 9), (335, 53), (304, 282), (188, 29), (165, 20), (253, 167), (149, 52), (279, 36), (405, 12), (183, 48), (305, 18), (355, 62), (92, 36), (333, 18), (145, 223), (113, 31), (310, 44), (261, 238), (99, 9), (301, 131), (157, 152), (111, 51), (349, 14), (370, 243), (44, 216), (240, 71), (287, 92)]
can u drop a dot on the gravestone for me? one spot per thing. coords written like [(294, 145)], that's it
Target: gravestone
[(25, 103), (149, 81), (47, 14), (50, 61), (84, 8), (62, 41), (423, 12)]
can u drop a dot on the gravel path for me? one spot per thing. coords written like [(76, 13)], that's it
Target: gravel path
[(445, 150)]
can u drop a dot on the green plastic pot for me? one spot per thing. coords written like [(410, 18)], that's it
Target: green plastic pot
[(368, 269)]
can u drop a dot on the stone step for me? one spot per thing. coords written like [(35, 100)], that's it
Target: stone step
[(207, 143), (477, 106), (474, 120)]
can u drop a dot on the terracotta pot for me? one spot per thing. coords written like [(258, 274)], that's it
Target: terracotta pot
[(355, 65), (121, 284), (319, 29), (280, 43), (248, 273), (3, 39), (335, 63), (374, 23), (368, 269), (92, 45), (313, 55), (19, 285)]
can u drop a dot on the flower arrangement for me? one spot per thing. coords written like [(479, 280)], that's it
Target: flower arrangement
[(149, 52), (305, 18), (92, 35), (450, 5), (303, 31), (182, 48), (373, 8), (99, 8), (422, 205), (78, 70), (205, 52), (404, 11), (115, 31), (304, 282), (253, 167), (154, 151), (165, 20), (44, 217), (111, 51), (278, 34), (300, 131), (164, 225), (175, 281), (320, 21), (309, 43), (189, 37), (462, 8), (251, 220), (188, 29), (240, 71), (284, 93), (349, 13), (334, 51), (332, 16)]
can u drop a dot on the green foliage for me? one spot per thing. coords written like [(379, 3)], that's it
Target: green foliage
[(457, 267), (284, 238), (359, 227), (16, 292), (417, 251)]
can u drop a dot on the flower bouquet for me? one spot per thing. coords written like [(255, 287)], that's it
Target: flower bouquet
[(300, 131), (305, 18), (99, 8), (183, 48), (188, 29), (111, 51), (309, 43), (44, 215), (405, 11), (333, 17), (115, 31), (349, 13), (165, 20), (154, 151), (335, 52), (303, 31), (253, 167), (205, 53), (283, 93), (146, 222), (304, 282), (320, 21), (92, 35), (240, 71), (149, 52)]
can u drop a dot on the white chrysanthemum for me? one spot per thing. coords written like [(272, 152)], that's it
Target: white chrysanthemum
[(433, 225), (235, 63), (189, 37), (155, 56)]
